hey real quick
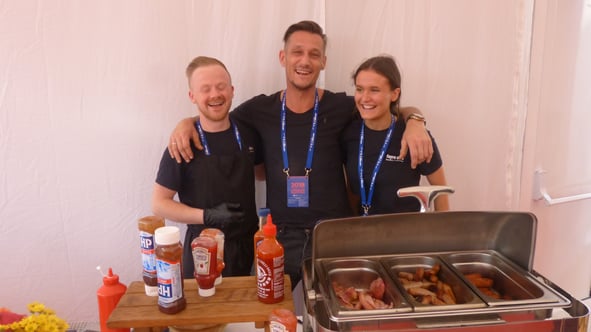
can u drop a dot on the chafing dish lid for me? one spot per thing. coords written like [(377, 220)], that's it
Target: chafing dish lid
[(510, 233)]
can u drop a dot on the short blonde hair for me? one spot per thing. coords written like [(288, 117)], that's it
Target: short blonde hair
[(202, 61)]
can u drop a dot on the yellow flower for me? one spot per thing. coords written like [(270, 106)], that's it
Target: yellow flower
[(41, 319)]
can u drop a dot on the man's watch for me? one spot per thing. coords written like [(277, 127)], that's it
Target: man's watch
[(416, 116)]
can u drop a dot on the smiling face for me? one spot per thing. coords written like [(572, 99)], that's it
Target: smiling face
[(303, 58), (373, 98), (210, 88)]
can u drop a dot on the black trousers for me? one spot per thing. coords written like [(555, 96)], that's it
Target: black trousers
[(297, 246)]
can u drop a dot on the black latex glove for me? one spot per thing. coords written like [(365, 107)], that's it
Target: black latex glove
[(223, 215)]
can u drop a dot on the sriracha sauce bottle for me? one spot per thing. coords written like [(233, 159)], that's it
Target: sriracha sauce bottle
[(259, 236), (270, 281)]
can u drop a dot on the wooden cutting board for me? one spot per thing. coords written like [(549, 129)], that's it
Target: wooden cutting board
[(235, 301)]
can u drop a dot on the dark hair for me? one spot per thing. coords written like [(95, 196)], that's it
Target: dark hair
[(202, 61), (308, 26), (385, 66)]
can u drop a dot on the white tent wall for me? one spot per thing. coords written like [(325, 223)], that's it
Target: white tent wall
[(90, 90), (459, 62), (556, 140)]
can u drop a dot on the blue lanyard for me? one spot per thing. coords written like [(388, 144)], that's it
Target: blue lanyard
[(204, 140), (312, 136), (366, 201)]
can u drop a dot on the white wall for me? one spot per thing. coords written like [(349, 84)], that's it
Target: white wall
[(461, 66), (556, 139), (89, 92)]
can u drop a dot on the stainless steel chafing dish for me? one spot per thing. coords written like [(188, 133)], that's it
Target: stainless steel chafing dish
[(499, 245)]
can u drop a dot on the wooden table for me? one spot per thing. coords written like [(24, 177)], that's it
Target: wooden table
[(235, 301)]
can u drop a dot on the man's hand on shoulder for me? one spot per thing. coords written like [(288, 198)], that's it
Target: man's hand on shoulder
[(415, 139), (179, 144)]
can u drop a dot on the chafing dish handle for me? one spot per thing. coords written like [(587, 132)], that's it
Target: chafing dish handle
[(458, 321), (310, 294), (425, 194)]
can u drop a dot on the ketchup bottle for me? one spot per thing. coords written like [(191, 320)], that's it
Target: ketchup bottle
[(169, 251), (108, 296), (282, 320), (270, 282), (219, 237), (204, 250), (147, 226)]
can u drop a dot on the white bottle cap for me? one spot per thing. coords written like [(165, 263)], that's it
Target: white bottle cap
[(207, 292), (167, 235), (151, 290)]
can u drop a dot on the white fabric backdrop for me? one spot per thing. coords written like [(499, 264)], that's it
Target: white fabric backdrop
[(459, 66), (90, 90), (556, 139)]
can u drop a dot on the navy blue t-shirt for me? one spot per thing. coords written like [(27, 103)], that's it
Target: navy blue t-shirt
[(393, 174)]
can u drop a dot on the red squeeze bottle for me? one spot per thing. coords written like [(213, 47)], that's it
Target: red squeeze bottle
[(283, 320), (270, 282), (108, 297), (259, 236), (219, 237), (204, 251)]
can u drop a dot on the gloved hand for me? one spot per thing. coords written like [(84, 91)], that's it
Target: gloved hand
[(222, 215)]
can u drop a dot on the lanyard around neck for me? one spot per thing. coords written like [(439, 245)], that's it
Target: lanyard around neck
[(204, 140), (312, 135), (366, 200)]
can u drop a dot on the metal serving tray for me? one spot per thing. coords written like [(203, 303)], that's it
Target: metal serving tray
[(465, 297), (514, 285), (508, 236), (358, 273)]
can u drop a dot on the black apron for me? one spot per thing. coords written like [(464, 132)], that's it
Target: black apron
[(230, 179)]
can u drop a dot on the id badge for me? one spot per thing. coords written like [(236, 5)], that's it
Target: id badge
[(297, 191)]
